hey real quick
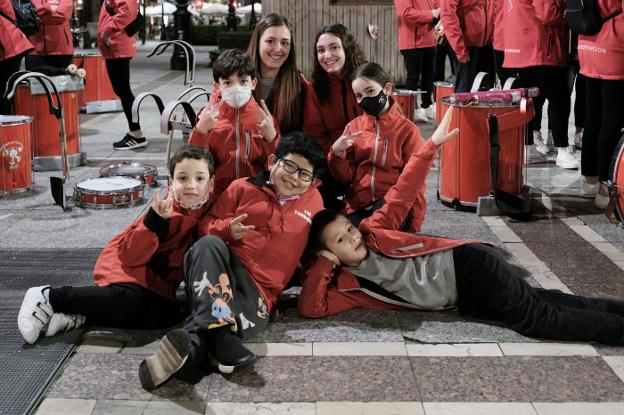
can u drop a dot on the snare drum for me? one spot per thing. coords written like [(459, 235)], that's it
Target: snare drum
[(108, 192), (15, 153), (616, 181), (407, 100), (143, 172)]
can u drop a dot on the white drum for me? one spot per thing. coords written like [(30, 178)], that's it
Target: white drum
[(108, 192)]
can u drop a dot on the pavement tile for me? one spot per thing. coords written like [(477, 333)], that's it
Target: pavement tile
[(617, 365), (457, 349), (579, 408), (369, 408), (265, 408), (478, 408), (55, 406), (609, 231), (548, 349), (359, 349), (127, 407), (280, 349), (605, 350), (115, 376), (272, 379), (354, 325), (516, 379), (461, 225)]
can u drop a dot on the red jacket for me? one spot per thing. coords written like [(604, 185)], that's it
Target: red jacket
[(467, 23), (120, 44), (12, 41), (376, 159), (150, 252), (326, 122), (270, 252), (415, 23), (499, 5), (602, 55), (54, 38), (238, 147), (328, 289), (535, 33)]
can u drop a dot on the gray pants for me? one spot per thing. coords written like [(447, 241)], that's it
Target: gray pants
[(220, 291)]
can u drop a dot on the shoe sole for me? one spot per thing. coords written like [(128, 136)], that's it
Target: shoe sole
[(567, 166), (172, 353), (130, 148), (228, 369)]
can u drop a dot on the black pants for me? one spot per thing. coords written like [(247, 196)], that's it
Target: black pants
[(489, 288), (57, 61), (502, 73), (575, 78), (119, 75), (552, 82), (419, 68), (117, 305), (603, 121), (481, 60), (7, 68), (220, 291), (441, 52)]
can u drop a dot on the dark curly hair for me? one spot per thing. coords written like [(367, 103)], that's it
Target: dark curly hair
[(190, 151), (233, 61), (315, 237), (354, 57)]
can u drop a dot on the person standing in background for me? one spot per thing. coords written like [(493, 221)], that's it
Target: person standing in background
[(53, 43), (416, 20)]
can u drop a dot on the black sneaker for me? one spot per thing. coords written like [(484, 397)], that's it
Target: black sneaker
[(129, 143), (227, 351), (173, 352)]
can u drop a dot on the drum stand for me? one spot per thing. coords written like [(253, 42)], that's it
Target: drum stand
[(57, 184)]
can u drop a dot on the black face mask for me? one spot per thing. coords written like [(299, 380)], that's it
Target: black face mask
[(374, 105)]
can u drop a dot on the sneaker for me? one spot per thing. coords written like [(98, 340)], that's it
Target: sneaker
[(578, 140), (566, 159), (173, 352), (533, 156), (601, 201), (539, 143), (589, 189), (64, 322), (430, 112), (420, 115), (227, 351), (130, 142), (35, 313)]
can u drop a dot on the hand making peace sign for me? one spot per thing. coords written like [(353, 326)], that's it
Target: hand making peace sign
[(163, 207), (265, 122)]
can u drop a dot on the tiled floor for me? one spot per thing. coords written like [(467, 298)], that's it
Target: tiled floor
[(362, 361)]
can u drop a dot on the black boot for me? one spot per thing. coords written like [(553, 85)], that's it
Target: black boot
[(227, 351)]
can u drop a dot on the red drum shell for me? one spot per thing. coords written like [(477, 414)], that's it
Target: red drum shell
[(45, 128), (148, 174), (97, 84), (616, 178), (407, 100), (125, 192), (442, 89), (15, 153)]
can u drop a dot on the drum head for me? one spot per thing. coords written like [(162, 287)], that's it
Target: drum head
[(126, 169), (109, 184), (6, 120)]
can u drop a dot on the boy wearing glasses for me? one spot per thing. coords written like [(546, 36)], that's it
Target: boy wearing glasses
[(258, 230), (239, 132)]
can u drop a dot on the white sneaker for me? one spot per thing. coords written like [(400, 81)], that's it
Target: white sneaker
[(539, 143), (35, 313), (63, 322), (533, 156), (589, 189), (601, 201), (420, 115), (566, 159), (430, 112), (578, 140)]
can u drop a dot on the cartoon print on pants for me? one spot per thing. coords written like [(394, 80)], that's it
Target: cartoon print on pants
[(221, 295)]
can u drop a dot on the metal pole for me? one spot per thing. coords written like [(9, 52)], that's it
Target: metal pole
[(182, 28)]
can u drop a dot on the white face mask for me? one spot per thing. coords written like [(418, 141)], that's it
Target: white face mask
[(236, 96)]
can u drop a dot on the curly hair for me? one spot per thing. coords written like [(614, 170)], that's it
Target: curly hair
[(354, 57)]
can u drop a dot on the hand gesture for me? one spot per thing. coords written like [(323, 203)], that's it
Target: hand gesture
[(208, 117), (265, 122), (435, 13), (343, 142), (163, 207), (237, 229), (329, 255), (441, 134)]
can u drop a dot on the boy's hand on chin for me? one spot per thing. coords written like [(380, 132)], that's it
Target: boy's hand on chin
[(441, 135), (333, 258)]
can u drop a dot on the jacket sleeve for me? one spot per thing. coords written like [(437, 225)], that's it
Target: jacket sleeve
[(341, 168), (217, 220), (313, 123), (452, 27), (139, 242), (317, 299), (410, 15), (61, 15), (126, 13), (550, 12), (401, 196)]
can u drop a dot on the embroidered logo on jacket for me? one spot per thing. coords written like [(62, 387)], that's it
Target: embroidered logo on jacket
[(306, 215)]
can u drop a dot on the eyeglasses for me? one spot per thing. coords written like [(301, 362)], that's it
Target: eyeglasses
[(291, 167)]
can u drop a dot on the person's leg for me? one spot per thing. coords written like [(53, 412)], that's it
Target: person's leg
[(593, 114), (555, 88), (466, 72), (7, 68), (488, 287), (486, 63), (119, 75), (612, 121), (426, 80), (412, 59), (440, 63), (562, 299)]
